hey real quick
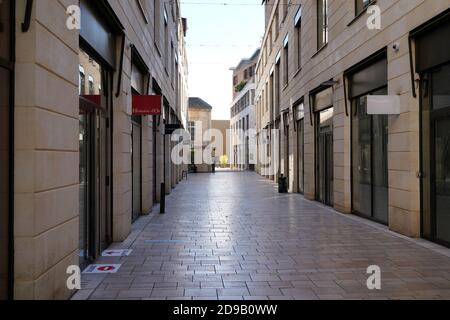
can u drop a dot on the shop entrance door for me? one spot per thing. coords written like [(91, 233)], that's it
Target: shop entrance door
[(436, 155), (300, 156), (369, 161), (136, 158), (6, 116), (324, 157), (95, 159)]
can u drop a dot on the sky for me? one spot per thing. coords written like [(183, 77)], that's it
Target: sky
[(218, 37)]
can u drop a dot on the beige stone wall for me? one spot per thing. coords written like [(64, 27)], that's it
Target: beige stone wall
[(46, 177), (350, 42), (46, 153), (201, 115)]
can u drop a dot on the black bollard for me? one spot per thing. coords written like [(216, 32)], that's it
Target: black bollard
[(282, 184), (162, 205)]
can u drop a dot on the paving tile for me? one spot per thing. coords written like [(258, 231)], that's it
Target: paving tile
[(164, 293), (233, 292), (200, 292), (235, 284), (265, 292), (212, 284), (241, 241), (300, 294), (134, 294)]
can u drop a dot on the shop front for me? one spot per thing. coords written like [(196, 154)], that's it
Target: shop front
[(433, 65), (6, 116), (97, 58), (139, 86), (369, 138), (322, 104), (299, 118), (285, 146)]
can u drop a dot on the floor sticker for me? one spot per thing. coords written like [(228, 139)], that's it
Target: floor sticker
[(102, 268), (117, 253)]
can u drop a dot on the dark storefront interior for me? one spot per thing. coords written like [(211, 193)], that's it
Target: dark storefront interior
[(6, 96), (98, 36), (140, 79), (322, 104), (370, 190), (433, 65), (299, 114)]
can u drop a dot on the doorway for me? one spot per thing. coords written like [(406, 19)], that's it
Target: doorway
[(324, 157), (136, 160), (436, 154), (6, 148), (287, 161), (370, 189), (300, 156), (95, 158)]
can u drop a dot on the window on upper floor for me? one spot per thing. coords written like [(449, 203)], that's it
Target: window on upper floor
[(157, 21), (91, 85), (298, 36), (269, 40), (277, 89), (322, 23), (286, 60), (285, 7), (166, 40), (276, 24), (82, 81), (362, 5), (191, 129)]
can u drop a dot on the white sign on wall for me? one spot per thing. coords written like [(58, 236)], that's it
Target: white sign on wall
[(383, 104)]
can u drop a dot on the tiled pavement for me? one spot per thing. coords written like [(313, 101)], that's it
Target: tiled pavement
[(233, 237)]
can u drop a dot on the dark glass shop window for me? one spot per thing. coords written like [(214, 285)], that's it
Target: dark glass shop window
[(5, 107), (5, 30)]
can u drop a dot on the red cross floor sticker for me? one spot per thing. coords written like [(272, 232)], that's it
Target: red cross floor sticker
[(102, 268)]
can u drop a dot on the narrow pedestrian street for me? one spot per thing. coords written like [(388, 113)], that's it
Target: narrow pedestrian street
[(232, 236)]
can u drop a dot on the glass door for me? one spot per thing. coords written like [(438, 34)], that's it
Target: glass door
[(286, 156), (136, 158), (154, 158), (4, 180), (369, 161), (6, 69), (436, 155), (300, 155), (95, 218), (324, 157), (441, 175)]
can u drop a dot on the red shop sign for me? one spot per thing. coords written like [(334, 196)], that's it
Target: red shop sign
[(91, 100), (147, 105)]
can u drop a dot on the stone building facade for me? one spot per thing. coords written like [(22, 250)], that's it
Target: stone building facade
[(242, 113), (222, 148), (362, 125), (80, 167), (199, 126)]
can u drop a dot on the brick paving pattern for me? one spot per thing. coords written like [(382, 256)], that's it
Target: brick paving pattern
[(232, 237)]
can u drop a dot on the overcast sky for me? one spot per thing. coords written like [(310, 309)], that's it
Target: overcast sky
[(218, 37)]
